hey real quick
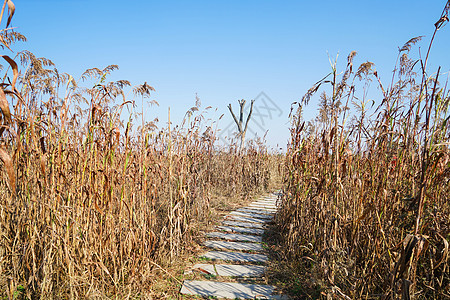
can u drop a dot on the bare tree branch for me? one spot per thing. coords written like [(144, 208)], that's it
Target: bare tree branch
[(249, 116), (241, 115), (235, 119), (241, 119)]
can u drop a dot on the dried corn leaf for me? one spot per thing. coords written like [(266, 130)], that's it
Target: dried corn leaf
[(444, 252), (15, 69), (409, 243), (11, 9), (4, 106), (422, 245), (204, 271), (9, 168), (42, 163)]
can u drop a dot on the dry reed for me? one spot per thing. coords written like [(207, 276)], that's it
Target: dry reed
[(92, 206), (366, 211)]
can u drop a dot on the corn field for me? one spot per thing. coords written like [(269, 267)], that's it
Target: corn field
[(96, 201), (91, 205), (366, 210)]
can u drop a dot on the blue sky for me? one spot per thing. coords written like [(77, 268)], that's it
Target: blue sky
[(227, 50)]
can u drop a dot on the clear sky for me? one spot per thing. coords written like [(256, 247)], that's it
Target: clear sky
[(227, 50)]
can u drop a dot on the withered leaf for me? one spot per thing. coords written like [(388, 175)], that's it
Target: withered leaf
[(15, 69), (4, 106), (9, 168), (11, 9)]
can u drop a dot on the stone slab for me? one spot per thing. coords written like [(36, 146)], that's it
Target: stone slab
[(244, 224), (245, 219), (267, 201), (233, 245), (254, 210), (274, 206), (230, 270), (235, 237), (264, 204), (251, 215), (261, 206), (235, 256), (231, 290), (270, 210), (241, 229)]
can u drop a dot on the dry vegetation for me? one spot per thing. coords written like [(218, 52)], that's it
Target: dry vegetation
[(94, 206), (366, 210)]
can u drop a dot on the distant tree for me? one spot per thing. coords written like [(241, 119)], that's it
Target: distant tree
[(239, 123)]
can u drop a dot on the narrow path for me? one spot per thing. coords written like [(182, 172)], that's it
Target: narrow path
[(237, 254)]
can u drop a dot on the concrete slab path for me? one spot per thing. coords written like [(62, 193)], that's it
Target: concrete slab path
[(244, 224), (246, 219), (235, 237), (231, 290), (230, 270), (235, 256), (233, 245), (256, 211), (251, 215), (241, 230)]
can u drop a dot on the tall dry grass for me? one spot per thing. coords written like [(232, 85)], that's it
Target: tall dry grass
[(91, 205), (366, 210)]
